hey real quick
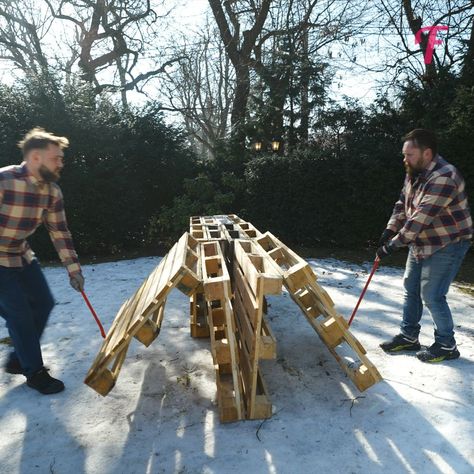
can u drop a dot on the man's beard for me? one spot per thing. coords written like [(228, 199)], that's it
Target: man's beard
[(413, 171), (48, 175)]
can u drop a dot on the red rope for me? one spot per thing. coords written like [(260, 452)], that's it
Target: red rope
[(374, 268), (102, 332)]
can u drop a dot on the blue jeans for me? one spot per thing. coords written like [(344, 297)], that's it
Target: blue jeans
[(427, 282), (25, 304)]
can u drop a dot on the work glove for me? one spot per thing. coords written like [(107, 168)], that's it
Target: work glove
[(77, 281), (387, 234), (384, 251)]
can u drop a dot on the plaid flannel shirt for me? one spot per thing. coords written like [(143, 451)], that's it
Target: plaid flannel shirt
[(432, 211), (25, 203)]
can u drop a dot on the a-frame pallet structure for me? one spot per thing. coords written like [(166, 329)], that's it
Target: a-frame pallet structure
[(227, 267)]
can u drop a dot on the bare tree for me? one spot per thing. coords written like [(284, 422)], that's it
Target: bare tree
[(291, 57), (467, 73), (240, 23), (201, 88), (108, 41), (397, 24), (22, 31)]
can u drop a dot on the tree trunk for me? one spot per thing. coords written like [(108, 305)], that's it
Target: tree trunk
[(415, 22), (304, 124), (467, 73)]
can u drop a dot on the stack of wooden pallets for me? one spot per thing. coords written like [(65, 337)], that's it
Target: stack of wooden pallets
[(227, 267)]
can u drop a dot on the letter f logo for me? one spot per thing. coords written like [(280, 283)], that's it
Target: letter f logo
[(432, 40)]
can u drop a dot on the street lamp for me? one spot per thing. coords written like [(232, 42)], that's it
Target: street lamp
[(258, 145), (275, 145)]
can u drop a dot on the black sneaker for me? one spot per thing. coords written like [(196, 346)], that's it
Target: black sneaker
[(401, 343), (437, 353), (13, 367), (44, 383)]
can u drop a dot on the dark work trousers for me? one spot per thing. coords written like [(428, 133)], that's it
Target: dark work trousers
[(25, 303)]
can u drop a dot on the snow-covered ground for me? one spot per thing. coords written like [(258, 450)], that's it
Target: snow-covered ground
[(161, 417)]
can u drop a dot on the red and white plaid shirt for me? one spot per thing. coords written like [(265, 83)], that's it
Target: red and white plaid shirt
[(432, 211), (26, 203)]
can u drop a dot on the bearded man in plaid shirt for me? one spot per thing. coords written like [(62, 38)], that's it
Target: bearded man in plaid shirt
[(29, 196), (433, 219)]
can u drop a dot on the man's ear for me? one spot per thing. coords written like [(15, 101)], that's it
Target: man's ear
[(34, 157), (428, 155)]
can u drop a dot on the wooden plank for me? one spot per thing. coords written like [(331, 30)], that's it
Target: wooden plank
[(321, 294), (246, 374), (119, 320), (199, 331), (186, 282), (212, 331), (158, 277), (216, 279), (229, 411), (255, 265), (180, 255), (249, 302), (249, 334), (230, 333), (102, 383), (330, 332), (246, 330), (152, 326), (164, 272), (120, 333), (216, 283), (267, 345), (223, 352), (262, 404), (218, 316)]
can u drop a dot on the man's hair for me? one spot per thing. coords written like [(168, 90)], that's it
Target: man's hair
[(39, 139), (423, 139)]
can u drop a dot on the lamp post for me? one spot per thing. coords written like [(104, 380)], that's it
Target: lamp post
[(276, 145), (257, 146)]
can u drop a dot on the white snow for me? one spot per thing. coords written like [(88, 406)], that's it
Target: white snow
[(162, 418)]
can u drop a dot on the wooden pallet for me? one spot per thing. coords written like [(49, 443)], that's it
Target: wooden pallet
[(246, 229), (141, 315), (198, 309), (253, 278), (224, 227), (319, 310), (217, 291)]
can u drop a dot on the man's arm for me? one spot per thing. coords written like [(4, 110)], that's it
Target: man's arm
[(55, 221), (398, 217), (438, 194)]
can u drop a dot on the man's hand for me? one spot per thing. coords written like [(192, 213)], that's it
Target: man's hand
[(77, 281), (387, 234), (384, 251)]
